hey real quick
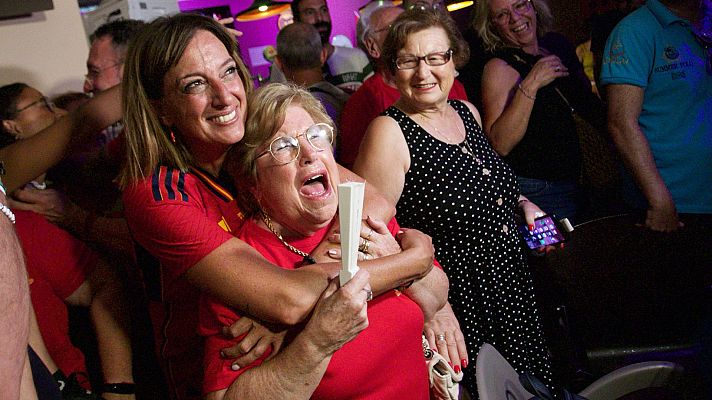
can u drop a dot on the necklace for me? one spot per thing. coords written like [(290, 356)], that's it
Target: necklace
[(464, 146), (426, 120), (307, 259), (466, 149)]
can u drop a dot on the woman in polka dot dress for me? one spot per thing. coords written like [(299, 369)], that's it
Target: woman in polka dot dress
[(431, 159)]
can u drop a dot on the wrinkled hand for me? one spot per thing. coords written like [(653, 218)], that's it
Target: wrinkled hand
[(662, 216), (258, 338), (375, 232), (49, 202), (544, 72), (413, 239), (453, 348), (340, 314)]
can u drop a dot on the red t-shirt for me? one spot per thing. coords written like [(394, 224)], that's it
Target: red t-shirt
[(178, 218), (385, 361), (57, 264), (368, 102)]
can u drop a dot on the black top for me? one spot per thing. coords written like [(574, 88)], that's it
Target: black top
[(550, 146)]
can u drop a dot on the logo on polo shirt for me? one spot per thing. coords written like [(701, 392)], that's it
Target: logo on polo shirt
[(671, 53), (616, 54)]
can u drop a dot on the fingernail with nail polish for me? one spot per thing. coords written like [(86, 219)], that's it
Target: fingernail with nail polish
[(464, 363), (234, 367), (457, 369), (332, 252), (531, 227)]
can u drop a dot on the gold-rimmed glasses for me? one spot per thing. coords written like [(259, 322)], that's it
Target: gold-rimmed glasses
[(285, 149)]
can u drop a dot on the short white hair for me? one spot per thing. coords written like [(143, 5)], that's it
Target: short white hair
[(363, 27)]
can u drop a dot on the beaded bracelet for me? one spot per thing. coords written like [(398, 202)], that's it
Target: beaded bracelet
[(8, 213), (527, 95)]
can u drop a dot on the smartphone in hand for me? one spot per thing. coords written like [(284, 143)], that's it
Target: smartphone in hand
[(547, 232)]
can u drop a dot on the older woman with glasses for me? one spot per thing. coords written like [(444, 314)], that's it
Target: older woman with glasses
[(286, 176), (529, 91), (429, 157)]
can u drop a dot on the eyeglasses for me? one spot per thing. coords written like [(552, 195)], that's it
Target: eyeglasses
[(94, 73), (285, 149), (42, 100), (433, 59), (503, 17)]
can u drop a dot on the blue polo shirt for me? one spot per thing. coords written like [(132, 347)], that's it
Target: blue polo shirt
[(654, 49)]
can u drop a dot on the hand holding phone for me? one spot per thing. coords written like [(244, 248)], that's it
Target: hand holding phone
[(546, 232)]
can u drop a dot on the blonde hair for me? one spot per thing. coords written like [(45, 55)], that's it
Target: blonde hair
[(484, 26), (158, 48), (266, 112)]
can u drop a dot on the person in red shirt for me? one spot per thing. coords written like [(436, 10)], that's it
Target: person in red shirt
[(287, 177), (377, 92)]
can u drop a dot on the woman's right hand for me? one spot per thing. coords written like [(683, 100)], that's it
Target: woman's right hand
[(543, 73), (340, 314)]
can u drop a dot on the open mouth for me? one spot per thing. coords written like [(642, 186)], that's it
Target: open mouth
[(316, 185), (221, 119), (520, 27)]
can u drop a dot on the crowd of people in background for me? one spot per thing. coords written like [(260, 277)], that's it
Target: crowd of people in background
[(173, 195)]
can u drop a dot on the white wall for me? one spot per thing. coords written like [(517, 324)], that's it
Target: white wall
[(47, 50)]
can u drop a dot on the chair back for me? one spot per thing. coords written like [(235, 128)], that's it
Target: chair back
[(496, 379)]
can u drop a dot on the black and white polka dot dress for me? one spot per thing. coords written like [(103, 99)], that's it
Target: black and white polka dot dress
[(465, 196)]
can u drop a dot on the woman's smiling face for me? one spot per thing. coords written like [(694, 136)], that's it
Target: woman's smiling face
[(515, 21), (204, 98), (425, 85)]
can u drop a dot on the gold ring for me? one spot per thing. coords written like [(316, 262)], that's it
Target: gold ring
[(441, 337), (362, 246), (366, 243), (369, 234)]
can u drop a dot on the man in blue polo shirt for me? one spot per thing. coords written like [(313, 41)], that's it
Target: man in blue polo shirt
[(658, 77)]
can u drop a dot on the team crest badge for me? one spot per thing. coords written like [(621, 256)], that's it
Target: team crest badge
[(671, 53)]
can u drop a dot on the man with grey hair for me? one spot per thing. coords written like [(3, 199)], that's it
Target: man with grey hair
[(301, 56), (377, 92)]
